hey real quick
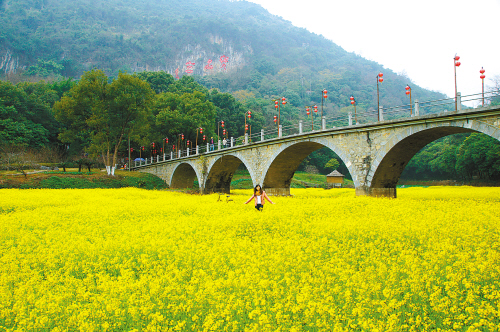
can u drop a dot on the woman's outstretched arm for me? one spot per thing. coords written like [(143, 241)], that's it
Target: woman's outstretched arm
[(266, 197), (250, 199)]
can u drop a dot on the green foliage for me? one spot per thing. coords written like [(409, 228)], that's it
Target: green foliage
[(461, 156), (56, 39), (44, 69), (26, 117), (332, 164), (320, 159), (68, 180), (104, 114), (479, 155)]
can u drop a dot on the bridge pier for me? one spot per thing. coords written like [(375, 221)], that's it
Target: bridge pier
[(277, 191), (376, 192)]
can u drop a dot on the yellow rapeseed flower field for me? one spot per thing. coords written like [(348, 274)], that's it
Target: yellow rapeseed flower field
[(322, 260)]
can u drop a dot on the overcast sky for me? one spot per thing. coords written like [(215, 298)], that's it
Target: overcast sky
[(419, 38)]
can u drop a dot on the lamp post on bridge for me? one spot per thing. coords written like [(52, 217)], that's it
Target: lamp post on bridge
[(278, 107), (200, 130), (165, 141), (379, 79), (221, 123), (249, 114), (324, 95), (308, 111), (482, 77), (408, 92), (456, 64), (180, 138), (353, 103)]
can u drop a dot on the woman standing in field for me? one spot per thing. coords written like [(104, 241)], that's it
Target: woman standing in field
[(260, 196)]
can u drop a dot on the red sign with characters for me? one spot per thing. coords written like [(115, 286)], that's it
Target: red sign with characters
[(189, 67), (209, 65), (223, 60)]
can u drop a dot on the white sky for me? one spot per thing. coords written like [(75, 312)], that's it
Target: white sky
[(417, 37)]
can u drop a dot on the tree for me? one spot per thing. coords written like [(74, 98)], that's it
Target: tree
[(159, 81), (24, 117), (332, 164), (105, 113), (18, 158), (182, 114), (479, 155)]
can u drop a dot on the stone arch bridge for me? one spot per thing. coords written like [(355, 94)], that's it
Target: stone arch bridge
[(375, 153)]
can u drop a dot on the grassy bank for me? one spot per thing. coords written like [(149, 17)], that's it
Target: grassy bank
[(81, 180)]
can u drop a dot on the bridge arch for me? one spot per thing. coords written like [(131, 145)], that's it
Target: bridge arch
[(183, 175), (282, 165), (220, 172), (388, 166)]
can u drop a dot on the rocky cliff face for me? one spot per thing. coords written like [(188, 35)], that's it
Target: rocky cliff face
[(9, 63), (223, 57), (195, 60)]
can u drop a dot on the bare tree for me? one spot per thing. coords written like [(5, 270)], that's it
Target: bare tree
[(18, 158)]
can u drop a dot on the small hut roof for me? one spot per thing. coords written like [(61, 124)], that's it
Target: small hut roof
[(336, 174)]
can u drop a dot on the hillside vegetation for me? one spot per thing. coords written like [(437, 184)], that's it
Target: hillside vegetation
[(204, 62)]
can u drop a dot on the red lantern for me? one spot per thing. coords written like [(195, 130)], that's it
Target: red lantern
[(352, 102), (315, 109), (246, 127), (249, 114), (275, 119), (204, 138), (482, 71), (142, 148), (222, 124), (283, 101), (188, 142), (457, 64), (457, 57), (182, 136), (380, 79), (131, 149), (308, 110), (173, 147), (166, 140), (408, 89), (201, 130), (224, 132), (325, 92), (276, 104), (153, 145)]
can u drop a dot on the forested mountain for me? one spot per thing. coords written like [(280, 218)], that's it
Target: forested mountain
[(229, 45), (206, 61)]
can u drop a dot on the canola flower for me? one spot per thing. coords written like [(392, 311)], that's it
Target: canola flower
[(322, 260)]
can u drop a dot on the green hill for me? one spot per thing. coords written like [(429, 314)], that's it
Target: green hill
[(235, 46)]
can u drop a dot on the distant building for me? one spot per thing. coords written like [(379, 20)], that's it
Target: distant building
[(335, 179)]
